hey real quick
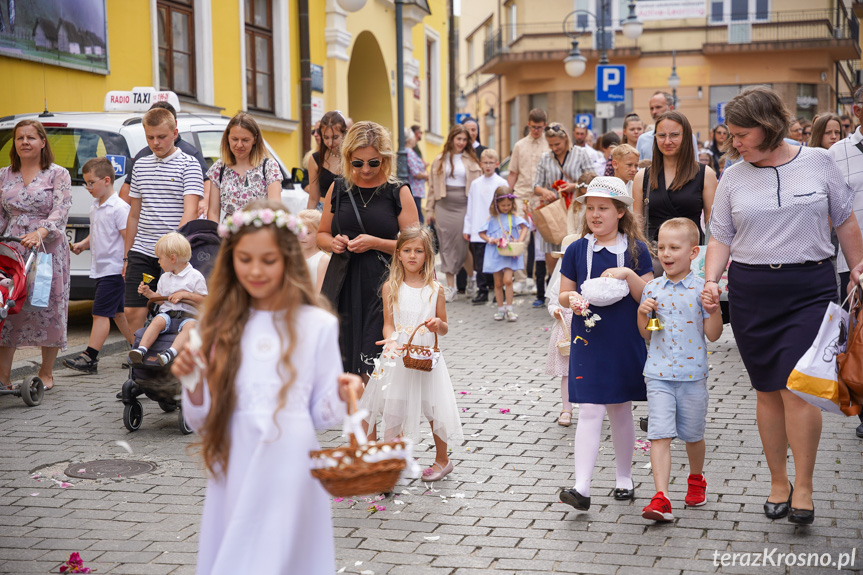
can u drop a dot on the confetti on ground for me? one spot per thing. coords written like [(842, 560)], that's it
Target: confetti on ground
[(125, 445), (397, 502), (504, 410), (432, 538), (367, 572), (358, 563), (342, 570), (459, 495), (464, 392), (338, 499), (646, 465), (643, 445)]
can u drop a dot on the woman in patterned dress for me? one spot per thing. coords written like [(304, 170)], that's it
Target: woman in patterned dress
[(35, 197), (244, 172)]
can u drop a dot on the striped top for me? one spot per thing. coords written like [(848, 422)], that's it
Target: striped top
[(850, 162), (549, 170), (161, 184)]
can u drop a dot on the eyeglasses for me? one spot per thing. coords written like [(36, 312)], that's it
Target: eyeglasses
[(807, 133), (373, 163), (535, 128), (672, 136), (90, 185)]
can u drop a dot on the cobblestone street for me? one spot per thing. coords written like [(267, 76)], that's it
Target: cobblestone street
[(496, 513)]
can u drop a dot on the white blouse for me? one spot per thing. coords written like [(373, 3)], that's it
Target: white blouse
[(779, 215), (456, 176)]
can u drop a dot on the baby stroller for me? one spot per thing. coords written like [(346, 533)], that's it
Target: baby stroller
[(12, 298), (152, 379)]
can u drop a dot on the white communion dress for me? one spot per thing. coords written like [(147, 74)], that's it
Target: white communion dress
[(268, 514), (402, 397)]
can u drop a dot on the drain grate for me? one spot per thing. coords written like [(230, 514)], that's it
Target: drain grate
[(107, 468)]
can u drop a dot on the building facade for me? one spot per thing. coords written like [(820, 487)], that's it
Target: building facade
[(223, 57), (511, 57)]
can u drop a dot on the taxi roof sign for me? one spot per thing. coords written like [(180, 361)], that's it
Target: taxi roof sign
[(139, 99)]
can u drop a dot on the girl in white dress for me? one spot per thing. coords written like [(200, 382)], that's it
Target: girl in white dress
[(317, 259), (399, 396), (270, 375)]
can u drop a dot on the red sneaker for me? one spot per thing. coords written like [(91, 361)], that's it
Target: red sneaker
[(659, 509), (696, 493)]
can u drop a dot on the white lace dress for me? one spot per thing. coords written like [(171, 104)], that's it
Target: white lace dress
[(268, 514), (401, 397)]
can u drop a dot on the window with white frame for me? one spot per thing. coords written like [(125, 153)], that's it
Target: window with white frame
[(471, 63), (611, 12), (266, 56), (723, 11), (512, 22), (432, 84)]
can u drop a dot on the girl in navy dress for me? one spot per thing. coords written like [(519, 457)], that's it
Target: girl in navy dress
[(607, 375), (501, 229)]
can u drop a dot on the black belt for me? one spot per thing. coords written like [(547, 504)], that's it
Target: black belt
[(782, 266)]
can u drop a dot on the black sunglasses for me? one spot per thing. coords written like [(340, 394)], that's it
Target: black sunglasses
[(373, 163)]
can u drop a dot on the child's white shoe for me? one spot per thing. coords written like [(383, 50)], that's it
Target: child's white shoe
[(511, 316), (498, 316)]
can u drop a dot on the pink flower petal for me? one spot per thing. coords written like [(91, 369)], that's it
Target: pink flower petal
[(505, 410)]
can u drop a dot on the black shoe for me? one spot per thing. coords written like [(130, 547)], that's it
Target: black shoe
[(778, 510), (575, 499), (83, 363), (624, 494), (125, 365), (642, 423), (859, 431), (119, 394), (481, 298), (802, 516)]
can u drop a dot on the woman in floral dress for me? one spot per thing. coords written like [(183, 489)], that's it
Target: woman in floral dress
[(35, 197), (244, 172)]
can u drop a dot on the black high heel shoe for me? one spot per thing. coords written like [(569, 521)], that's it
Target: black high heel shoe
[(778, 510)]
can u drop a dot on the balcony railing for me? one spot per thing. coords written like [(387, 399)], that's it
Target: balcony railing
[(756, 31)]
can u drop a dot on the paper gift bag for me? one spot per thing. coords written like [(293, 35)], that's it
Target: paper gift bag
[(815, 378), (550, 220)]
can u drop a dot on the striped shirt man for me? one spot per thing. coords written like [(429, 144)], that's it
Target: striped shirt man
[(161, 184), (849, 158)]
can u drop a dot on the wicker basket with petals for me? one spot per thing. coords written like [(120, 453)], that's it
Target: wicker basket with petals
[(359, 469), (420, 357), (563, 345)]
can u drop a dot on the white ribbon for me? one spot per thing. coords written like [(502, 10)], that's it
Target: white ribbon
[(353, 423)]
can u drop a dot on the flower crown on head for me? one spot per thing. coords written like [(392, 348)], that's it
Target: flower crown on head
[(260, 218)]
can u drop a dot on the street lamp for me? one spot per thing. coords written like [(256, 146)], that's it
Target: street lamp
[(575, 63), (461, 100), (674, 79)]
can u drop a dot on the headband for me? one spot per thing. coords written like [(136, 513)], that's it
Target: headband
[(506, 197), (260, 218)]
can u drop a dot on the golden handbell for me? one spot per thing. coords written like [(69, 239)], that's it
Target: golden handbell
[(653, 324), (147, 278)]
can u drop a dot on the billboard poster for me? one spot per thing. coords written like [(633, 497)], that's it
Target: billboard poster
[(670, 9), (68, 33)]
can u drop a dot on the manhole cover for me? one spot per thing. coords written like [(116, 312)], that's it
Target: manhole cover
[(104, 468)]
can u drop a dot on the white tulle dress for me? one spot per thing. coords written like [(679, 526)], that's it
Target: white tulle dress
[(400, 398)]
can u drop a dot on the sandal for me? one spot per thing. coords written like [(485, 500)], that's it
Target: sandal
[(565, 418), (430, 474)]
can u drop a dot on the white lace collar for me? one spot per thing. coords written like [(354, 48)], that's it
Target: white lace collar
[(618, 248)]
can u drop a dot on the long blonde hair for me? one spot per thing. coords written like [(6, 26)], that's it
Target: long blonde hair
[(223, 320), (397, 268), (629, 226), (362, 135)]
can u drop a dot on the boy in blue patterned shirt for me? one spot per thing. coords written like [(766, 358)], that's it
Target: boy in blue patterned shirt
[(676, 369)]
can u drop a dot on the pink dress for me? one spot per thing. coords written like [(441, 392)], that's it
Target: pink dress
[(43, 203)]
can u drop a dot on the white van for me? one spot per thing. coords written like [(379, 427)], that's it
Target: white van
[(76, 137)]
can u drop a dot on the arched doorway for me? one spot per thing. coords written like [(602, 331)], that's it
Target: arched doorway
[(369, 84)]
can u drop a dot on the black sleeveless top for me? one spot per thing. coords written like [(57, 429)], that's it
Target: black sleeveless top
[(687, 202), (325, 177)]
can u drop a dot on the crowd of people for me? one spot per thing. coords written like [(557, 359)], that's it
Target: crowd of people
[(639, 207)]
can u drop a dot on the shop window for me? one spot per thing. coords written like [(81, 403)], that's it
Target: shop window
[(259, 55), (807, 101), (723, 11), (176, 37)]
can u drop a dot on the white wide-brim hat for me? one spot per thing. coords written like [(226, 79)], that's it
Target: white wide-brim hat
[(607, 187), (565, 244)]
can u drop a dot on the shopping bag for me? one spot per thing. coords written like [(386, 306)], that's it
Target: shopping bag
[(40, 292), (550, 221), (815, 378), (850, 363)]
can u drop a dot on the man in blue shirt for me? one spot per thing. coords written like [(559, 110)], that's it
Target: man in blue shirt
[(659, 103)]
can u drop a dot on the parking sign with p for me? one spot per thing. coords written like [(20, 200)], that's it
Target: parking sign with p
[(610, 83)]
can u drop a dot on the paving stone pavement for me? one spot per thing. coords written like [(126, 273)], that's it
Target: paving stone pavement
[(496, 513)]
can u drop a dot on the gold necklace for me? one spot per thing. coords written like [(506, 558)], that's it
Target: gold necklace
[(366, 203)]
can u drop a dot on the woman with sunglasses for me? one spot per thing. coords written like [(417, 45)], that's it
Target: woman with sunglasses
[(363, 215), (675, 185), (452, 172), (717, 147)]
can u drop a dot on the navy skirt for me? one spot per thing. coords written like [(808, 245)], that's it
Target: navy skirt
[(775, 316)]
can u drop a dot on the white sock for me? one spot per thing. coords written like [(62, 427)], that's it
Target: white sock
[(173, 352), (623, 438), (509, 308), (143, 348), (501, 309), (588, 432)]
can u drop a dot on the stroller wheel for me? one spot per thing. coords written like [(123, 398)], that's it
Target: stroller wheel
[(133, 414), (184, 427), (32, 391), (167, 407)]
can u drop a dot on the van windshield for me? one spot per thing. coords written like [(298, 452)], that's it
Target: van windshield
[(72, 147)]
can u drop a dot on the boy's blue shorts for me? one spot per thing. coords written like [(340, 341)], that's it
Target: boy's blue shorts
[(676, 409), (110, 296)]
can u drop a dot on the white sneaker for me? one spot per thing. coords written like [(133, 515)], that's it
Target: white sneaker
[(511, 316), (471, 287), (449, 294), (498, 315)]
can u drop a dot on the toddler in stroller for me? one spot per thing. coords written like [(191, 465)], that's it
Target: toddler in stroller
[(179, 290)]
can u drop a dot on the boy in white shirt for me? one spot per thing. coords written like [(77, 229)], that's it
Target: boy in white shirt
[(108, 216), (178, 282), (479, 199)]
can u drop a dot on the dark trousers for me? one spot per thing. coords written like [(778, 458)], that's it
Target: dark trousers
[(540, 269), (484, 282)]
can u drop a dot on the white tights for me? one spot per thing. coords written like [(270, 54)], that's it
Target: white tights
[(588, 433)]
